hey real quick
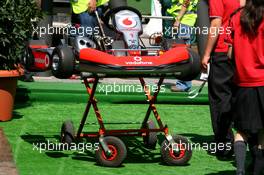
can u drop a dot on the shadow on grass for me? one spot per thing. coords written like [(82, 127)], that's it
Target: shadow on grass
[(229, 172), (37, 139), (201, 139), (137, 153), (16, 115), (22, 99)]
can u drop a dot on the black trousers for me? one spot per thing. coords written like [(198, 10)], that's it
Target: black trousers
[(220, 91)]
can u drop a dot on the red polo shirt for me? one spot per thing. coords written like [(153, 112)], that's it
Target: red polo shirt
[(249, 55), (222, 9)]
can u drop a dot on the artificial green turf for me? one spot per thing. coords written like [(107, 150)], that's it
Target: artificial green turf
[(42, 107), (63, 92)]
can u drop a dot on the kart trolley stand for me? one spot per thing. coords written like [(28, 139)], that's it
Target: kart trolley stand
[(112, 150)]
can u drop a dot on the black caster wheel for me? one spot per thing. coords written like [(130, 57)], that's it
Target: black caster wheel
[(118, 152), (150, 140), (67, 132), (179, 153)]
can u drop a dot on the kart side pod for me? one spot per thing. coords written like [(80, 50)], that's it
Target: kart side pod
[(180, 62)]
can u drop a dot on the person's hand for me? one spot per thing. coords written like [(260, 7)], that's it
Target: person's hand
[(205, 62), (230, 52), (176, 23), (92, 6)]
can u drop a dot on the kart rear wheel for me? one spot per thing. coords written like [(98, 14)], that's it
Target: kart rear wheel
[(172, 156), (28, 59), (150, 140), (196, 64), (67, 132), (118, 152), (62, 62)]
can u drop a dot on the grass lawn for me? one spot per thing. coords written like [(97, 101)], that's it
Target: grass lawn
[(42, 107)]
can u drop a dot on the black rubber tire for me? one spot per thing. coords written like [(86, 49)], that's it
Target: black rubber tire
[(62, 62), (119, 149), (28, 59), (150, 140), (67, 132), (174, 159), (196, 66), (192, 69)]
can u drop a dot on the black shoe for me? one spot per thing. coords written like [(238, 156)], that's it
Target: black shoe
[(176, 89)]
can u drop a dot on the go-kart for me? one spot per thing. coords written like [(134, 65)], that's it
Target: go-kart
[(124, 54)]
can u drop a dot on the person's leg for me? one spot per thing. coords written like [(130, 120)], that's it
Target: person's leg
[(240, 149), (220, 87), (184, 33), (259, 154), (259, 149), (252, 142), (165, 5), (167, 24), (88, 23)]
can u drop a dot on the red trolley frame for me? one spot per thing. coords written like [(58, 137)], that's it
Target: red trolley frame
[(92, 102)]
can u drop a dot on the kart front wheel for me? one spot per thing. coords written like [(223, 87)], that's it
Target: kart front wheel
[(62, 62)]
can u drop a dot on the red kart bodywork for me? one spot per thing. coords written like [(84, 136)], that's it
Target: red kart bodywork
[(179, 62), (172, 56), (41, 57)]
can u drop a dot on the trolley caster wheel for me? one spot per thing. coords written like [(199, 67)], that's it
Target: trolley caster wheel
[(67, 132), (118, 152), (150, 140), (178, 154)]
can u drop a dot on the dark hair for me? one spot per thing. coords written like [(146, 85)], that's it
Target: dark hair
[(252, 16)]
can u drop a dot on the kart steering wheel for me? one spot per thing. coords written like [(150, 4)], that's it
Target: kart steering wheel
[(109, 13)]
